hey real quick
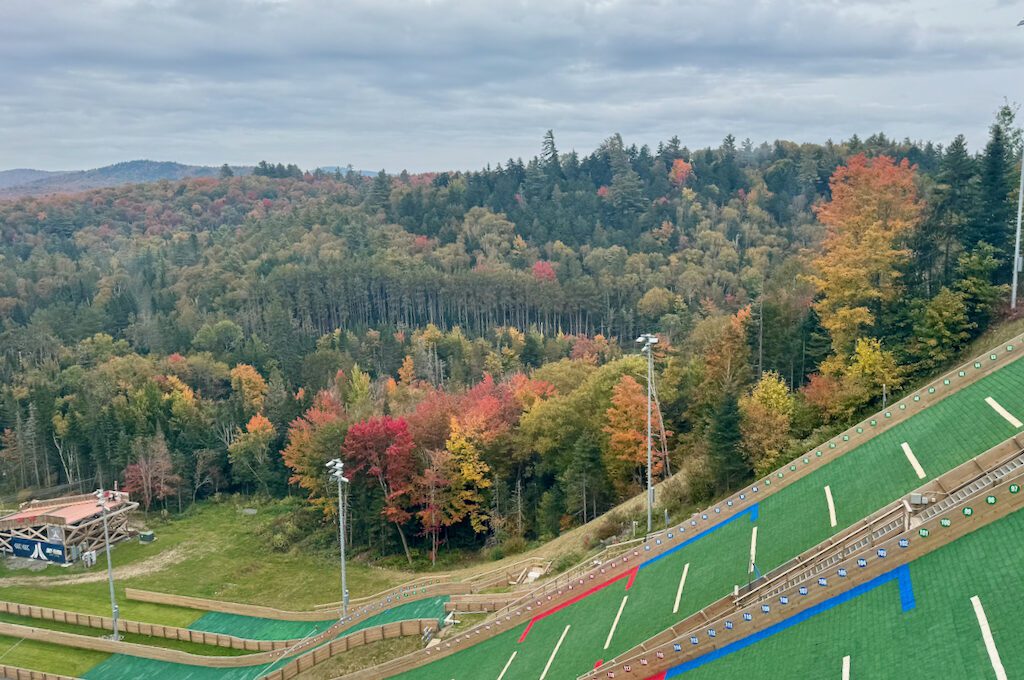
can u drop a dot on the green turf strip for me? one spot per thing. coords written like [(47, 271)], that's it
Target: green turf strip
[(939, 638), (791, 521), (255, 628), (124, 667)]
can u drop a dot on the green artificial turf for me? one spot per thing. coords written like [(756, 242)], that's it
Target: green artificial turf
[(122, 667), (940, 637)]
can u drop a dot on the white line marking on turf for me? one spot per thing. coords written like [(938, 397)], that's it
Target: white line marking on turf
[(831, 505), (615, 623), (553, 652), (753, 550), (986, 634), (913, 461), (1003, 412), (679, 590), (846, 667), (507, 664)]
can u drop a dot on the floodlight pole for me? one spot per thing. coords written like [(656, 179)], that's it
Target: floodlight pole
[(336, 467), (114, 610), (649, 340), (1016, 246)]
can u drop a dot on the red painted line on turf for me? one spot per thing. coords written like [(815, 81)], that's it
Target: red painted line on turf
[(659, 676), (598, 663), (557, 608)]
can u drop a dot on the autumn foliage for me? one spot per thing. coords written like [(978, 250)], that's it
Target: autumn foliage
[(874, 207)]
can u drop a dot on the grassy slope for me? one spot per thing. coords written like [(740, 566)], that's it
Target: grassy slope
[(227, 560), (52, 658), (791, 521)]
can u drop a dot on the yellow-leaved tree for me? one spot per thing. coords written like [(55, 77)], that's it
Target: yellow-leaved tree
[(470, 478), (765, 415)]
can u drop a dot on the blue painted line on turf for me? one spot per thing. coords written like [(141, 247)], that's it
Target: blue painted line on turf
[(752, 511), (901, 574), (907, 599)]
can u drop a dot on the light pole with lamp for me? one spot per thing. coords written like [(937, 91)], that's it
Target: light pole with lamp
[(1016, 246), (336, 466), (101, 502), (649, 340)]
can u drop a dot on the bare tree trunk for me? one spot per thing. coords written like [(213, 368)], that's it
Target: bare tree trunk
[(405, 545)]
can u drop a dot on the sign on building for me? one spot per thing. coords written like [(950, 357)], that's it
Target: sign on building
[(38, 550)]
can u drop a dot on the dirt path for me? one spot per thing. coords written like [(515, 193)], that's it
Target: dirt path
[(155, 563)]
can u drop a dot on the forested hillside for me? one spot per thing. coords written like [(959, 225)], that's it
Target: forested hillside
[(464, 340)]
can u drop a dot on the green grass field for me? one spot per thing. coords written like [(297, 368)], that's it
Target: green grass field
[(51, 658), (790, 521), (223, 558)]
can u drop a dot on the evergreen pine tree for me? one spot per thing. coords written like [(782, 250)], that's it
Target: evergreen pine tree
[(992, 221), (724, 443)]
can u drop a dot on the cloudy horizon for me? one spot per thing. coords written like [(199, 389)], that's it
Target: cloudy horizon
[(437, 84)]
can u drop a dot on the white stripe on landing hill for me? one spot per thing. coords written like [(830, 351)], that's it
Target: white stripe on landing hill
[(615, 623), (679, 590), (507, 664), (553, 652), (986, 634), (753, 550), (846, 667), (913, 461), (831, 506), (1003, 412)]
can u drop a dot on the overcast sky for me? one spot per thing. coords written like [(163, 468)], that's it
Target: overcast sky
[(457, 84)]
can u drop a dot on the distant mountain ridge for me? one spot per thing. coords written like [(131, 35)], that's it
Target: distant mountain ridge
[(27, 182), (20, 176)]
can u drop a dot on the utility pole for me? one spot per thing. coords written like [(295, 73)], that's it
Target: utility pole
[(649, 340), (101, 502), (336, 467)]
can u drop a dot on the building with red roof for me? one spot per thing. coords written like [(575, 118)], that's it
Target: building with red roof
[(61, 530)]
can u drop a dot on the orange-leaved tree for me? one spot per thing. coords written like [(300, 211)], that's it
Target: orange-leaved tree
[(626, 455), (314, 438), (873, 210)]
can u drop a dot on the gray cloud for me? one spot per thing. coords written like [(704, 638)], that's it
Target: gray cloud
[(427, 84)]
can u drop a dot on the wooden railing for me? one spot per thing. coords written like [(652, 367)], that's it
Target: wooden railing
[(267, 659), (729, 619), (137, 627), (15, 673)]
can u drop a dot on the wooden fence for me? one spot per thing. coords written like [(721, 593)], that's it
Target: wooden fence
[(367, 635), (15, 673), (308, 649), (151, 629)]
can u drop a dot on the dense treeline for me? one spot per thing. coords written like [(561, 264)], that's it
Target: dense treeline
[(458, 337)]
